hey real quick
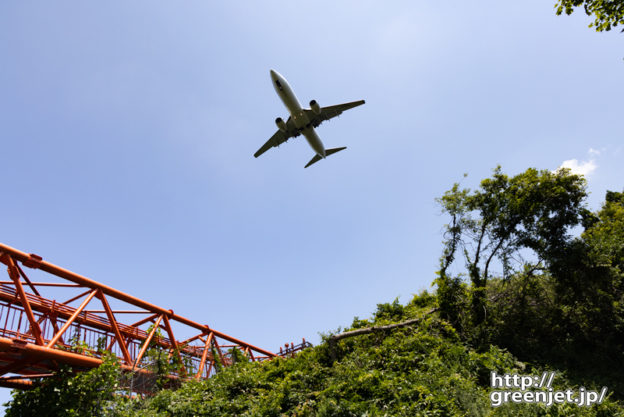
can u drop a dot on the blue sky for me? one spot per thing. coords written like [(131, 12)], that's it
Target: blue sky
[(128, 129)]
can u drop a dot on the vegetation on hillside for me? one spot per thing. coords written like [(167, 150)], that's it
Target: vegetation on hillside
[(420, 370), (530, 281)]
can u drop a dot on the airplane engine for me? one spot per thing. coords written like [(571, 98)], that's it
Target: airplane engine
[(280, 124), (315, 107)]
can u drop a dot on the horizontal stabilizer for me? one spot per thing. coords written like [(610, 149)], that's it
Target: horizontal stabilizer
[(334, 150), (314, 160), (328, 152)]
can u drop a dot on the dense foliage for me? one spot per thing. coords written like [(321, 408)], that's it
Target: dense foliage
[(420, 370), (558, 299), (68, 394)]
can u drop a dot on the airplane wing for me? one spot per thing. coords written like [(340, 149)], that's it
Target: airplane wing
[(330, 112), (279, 137)]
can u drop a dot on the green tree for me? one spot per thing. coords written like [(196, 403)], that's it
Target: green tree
[(605, 235), (571, 315), (558, 299), (87, 393), (589, 279), (606, 13), (519, 222)]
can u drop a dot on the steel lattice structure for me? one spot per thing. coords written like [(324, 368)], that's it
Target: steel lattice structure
[(39, 334)]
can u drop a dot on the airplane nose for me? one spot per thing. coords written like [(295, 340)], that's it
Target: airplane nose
[(273, 74)]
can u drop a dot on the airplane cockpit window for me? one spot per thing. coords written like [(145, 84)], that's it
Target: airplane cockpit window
[(279, 85)]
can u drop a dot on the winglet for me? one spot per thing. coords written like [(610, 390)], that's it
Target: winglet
[(328, 152)]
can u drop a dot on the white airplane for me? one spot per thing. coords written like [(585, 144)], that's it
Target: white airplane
[(302, 121)]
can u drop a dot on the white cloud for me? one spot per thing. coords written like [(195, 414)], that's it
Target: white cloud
[(581, 168), (593, 151)]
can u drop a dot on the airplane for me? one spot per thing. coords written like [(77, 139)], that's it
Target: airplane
[(302, 121)]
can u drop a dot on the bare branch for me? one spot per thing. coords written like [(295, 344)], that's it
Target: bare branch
[(372, 329)]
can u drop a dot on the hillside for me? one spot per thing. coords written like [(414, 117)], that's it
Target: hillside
[(421, 370)]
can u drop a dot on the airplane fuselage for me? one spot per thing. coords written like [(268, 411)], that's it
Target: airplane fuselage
[(297, 114)]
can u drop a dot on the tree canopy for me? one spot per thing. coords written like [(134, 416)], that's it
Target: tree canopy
[(555, 297), (505, 220), (606, 13)]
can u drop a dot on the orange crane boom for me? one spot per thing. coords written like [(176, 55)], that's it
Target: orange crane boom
[(35, 330)]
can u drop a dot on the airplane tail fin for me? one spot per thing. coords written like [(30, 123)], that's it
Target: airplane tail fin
[(328, 152)]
